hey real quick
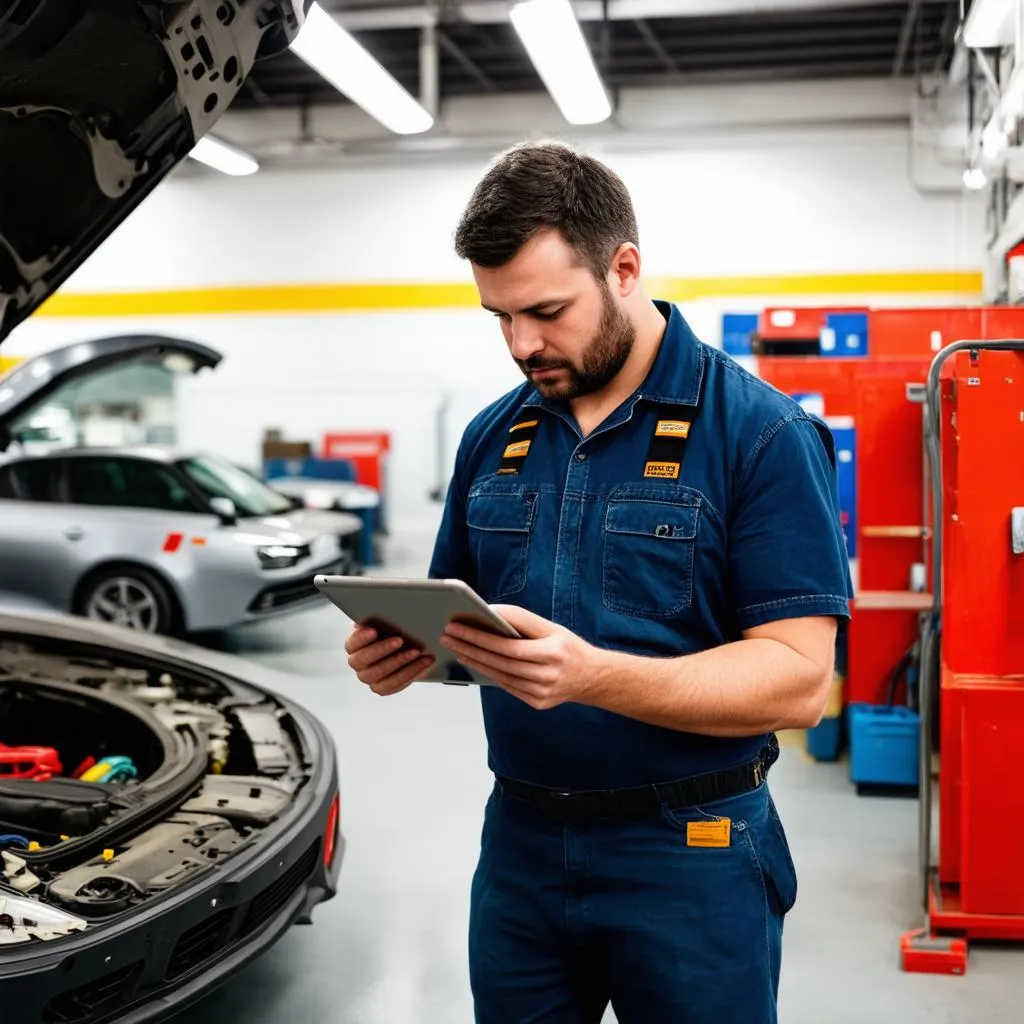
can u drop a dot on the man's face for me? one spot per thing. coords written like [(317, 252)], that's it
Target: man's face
[(564, 329)]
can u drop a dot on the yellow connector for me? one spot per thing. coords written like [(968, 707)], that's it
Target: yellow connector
[(34, 847), (108, 855)]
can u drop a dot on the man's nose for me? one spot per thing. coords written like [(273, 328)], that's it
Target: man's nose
[(526, 339)]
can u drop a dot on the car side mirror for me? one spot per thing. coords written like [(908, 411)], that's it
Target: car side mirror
[(225, 510)]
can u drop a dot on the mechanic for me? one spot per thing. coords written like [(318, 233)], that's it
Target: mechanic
[(662, 528)]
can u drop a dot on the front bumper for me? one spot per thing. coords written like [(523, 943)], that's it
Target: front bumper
[(149, 965), (295, 594)]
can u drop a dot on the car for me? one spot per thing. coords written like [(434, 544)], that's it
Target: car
[(150, 537), (166, 814)]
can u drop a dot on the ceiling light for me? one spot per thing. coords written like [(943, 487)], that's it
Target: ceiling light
[(553, 39), (327, 48), (974, 179), (989, 24), (223, 157)]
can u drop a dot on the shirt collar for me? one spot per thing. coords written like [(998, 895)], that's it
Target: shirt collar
[(676, 374)]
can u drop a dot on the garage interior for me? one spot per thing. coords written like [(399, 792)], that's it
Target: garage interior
[(830, 191)]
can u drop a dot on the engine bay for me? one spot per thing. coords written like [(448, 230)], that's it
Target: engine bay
[(122, 782)]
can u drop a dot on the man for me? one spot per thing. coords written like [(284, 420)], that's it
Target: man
[(662, 529)]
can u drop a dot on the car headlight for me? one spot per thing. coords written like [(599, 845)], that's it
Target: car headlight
[(23, 919), (281, 556)]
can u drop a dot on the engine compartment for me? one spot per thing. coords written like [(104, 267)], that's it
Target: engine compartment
[(203, 766)]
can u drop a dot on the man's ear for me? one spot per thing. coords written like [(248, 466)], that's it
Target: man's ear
[(624, 272)]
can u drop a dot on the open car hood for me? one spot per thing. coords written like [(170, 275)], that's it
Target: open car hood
[(31, 383), (99, 100)]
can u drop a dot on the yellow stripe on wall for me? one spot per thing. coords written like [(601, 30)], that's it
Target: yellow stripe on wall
[(308, 298), (341, 298), (682, 289)]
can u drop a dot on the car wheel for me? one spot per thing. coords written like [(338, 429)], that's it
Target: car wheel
[(129, 596)]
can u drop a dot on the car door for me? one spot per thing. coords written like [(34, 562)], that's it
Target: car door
[(34, 534), (130, 509)]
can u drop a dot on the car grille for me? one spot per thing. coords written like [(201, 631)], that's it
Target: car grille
[(195, 945), (280, 595), (277, 895), (94, 1000), (208, 938)]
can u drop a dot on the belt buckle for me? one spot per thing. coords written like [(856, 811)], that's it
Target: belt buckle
[(758, 774)]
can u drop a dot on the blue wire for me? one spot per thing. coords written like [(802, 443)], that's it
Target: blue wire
[(19, 840)]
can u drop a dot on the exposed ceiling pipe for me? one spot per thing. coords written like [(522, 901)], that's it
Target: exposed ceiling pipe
[(430, 71), (493, 12)]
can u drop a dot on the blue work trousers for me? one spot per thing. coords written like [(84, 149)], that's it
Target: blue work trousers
[(567, 918)]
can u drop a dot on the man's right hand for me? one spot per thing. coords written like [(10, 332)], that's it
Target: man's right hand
[(386, 666)]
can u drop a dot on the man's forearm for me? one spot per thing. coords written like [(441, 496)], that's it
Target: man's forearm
[(739, 689)]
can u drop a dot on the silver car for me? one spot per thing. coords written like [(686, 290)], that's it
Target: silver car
[(151, 538)]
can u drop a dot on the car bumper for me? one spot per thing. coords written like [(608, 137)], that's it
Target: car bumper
[(296, 594), (152, 964)]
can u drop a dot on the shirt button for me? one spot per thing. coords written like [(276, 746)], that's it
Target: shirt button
[(581, 456)]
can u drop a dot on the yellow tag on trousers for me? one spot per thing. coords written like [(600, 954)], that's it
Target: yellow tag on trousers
[(708, 833)]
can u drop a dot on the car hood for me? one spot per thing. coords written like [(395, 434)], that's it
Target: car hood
[(299, 527), (33, 381), (99, 101)]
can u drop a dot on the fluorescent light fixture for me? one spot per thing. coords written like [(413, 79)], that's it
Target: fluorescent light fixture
[(223, 157), (989, 24), (327, 48), (974, 179), (553, 39)]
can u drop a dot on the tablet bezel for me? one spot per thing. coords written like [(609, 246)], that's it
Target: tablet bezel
[(364, 600)]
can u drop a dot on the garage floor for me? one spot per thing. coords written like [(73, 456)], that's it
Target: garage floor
[(390, 949)]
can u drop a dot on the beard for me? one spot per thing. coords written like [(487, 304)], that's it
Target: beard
[(603, 357)]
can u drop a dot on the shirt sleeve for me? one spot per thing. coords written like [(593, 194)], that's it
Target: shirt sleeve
[(787, 553)]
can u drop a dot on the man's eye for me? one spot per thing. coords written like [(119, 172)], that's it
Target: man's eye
[(500, 316), (549, 316)]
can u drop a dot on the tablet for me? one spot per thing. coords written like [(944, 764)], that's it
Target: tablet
[(418, 611)]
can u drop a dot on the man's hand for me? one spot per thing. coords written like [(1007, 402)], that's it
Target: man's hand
[(548, 667), (382, 664)]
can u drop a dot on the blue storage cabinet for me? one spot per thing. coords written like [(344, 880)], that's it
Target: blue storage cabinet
[(884, 745), (737, 329), (844, 335), (845, 434)]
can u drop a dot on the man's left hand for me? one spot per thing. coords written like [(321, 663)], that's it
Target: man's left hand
[(548, 667)]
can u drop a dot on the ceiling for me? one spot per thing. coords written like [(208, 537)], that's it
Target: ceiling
[(484, 56)]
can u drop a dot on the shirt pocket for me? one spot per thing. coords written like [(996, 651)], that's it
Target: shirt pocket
[(649, 544), (500, 523)]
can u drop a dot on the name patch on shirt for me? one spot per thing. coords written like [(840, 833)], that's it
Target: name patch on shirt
[(672, 428), (663, 470), (517, 450)]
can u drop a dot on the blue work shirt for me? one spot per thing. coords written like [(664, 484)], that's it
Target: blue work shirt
[(749, 533)]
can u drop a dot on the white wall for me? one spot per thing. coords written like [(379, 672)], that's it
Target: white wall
[(786, 202)]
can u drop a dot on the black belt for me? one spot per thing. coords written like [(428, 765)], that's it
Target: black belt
[(585, 805)]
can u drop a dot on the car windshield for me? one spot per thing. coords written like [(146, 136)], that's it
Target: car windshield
[(218, 478)]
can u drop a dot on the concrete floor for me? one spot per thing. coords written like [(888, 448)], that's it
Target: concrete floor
[(391, 948)]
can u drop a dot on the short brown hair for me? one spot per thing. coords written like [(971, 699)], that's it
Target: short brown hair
[(539, 185)]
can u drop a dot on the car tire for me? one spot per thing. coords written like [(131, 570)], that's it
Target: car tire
[(130, 596)]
